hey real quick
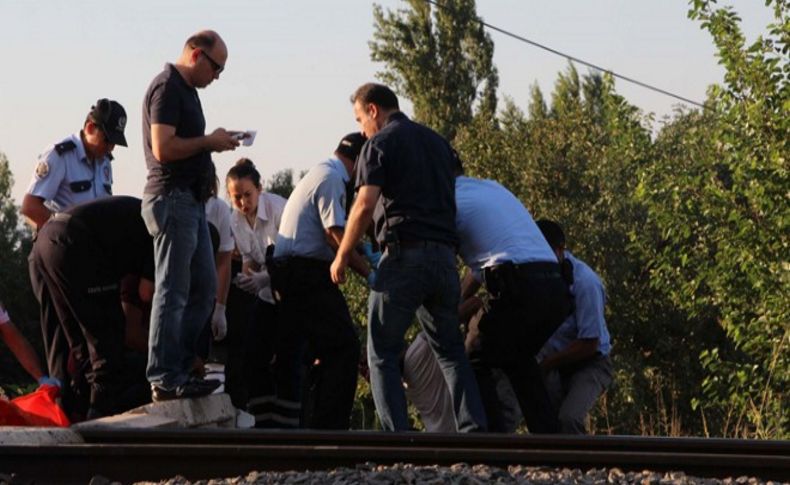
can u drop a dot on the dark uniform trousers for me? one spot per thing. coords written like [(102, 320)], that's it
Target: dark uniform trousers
[(240, 306), (81, 315), (268, 400), (527, 303), (313, 310)]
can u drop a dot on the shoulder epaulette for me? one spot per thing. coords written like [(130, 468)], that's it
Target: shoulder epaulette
[(65, 146)]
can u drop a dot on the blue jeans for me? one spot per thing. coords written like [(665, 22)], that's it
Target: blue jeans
[(186, 283), (419, 277)]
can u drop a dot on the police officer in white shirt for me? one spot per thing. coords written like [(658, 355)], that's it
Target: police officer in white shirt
[(527, 296), (576, 358), (77, 169)]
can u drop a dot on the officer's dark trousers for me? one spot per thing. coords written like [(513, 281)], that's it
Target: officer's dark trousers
[(60, 351), (238, 311), (73, 279), (313, 309), (269, 397), (528, 303)]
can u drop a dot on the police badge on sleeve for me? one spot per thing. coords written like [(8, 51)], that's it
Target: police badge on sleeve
[(42, 169)]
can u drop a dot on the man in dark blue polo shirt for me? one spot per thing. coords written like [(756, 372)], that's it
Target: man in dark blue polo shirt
[(180, 178), (406, 183)]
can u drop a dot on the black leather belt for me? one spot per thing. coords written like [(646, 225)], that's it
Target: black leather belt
[(535, 268), (507, 276), (426, 244), (300, 262)]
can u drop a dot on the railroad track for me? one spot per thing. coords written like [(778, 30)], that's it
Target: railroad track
[(129, 455)]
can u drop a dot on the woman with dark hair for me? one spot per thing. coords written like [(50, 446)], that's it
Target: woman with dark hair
[(255, 222)]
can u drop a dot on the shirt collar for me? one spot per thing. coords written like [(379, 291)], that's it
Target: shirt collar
[(81, 154), (338, 165), (174, 73), (397, 115), (262, 215)]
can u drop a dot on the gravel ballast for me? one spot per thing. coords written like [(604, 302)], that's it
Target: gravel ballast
[(463, 474)]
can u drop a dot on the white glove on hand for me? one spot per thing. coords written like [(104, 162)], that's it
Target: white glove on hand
[(219, 323), (245, 283), (261, 279), (253, 282)]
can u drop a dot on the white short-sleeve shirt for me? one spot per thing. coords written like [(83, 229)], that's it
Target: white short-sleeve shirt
[(64, 177), (494, 227), (587, 321), (218, 213), (253, 241), (317, 203)]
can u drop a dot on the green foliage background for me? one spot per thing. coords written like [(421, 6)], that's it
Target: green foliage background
[(686, 221), (15, 291)]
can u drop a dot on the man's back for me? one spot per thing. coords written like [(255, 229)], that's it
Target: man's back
[(413, 165), (115, 225), (316, 203), (494, 226)]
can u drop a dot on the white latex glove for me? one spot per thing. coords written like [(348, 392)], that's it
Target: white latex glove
[(219, 323), (253, 282), (245, 283), (261, 279)]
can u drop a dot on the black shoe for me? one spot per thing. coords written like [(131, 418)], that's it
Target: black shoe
[(192, 388)]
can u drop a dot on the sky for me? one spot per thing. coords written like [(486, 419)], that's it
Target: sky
[(293, 64)]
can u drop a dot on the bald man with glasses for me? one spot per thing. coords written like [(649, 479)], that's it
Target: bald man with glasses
[(180, 178)]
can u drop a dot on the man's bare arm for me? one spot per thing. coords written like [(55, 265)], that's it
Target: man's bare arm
[(358, 221), (22, 349), (223, 264), (35, 211), (577, 351), (168, 147), (334, 236)]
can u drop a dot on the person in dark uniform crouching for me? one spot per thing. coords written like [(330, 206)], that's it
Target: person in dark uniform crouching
[(528, 298), (79, 259)]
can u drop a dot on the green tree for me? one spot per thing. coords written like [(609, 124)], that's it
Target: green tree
[(281, 183), (718, 194), (440, 58), (15, 291)]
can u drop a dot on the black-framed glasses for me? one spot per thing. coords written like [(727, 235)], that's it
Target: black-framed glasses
[(218, 68)]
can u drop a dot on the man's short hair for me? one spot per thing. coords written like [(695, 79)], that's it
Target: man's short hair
[(378, 94), (552, 232), (202, 40)]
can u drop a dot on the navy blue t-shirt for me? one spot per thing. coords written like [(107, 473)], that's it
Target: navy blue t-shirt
[(414, 166), (171, 101)]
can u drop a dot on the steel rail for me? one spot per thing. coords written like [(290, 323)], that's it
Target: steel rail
[(371, 438), (200, 454)]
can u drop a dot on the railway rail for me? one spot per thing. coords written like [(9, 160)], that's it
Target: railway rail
[(130, 455)]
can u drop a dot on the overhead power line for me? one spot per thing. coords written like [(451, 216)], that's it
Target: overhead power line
[(576, 59)]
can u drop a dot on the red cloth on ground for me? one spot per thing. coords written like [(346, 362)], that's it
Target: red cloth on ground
[(39, 408)]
